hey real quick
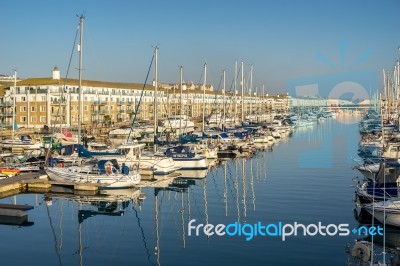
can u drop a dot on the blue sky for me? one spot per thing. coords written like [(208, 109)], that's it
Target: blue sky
[(284, 40)]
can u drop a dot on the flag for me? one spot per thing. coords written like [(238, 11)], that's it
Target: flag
[(15, 126)]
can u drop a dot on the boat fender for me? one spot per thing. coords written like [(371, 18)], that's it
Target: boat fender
[(362, 251), (355, 196), (61, 164), (356, 215)]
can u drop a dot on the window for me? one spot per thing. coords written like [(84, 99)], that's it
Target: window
[(43, 119), (22, 119), (43, 108), (33, 118), (43, 98), (22, 109), (33, 109), (23, 99), (86, 108)]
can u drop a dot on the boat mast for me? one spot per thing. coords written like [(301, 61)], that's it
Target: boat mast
[(155, 93), (80, 112), (257, 111), (13, 111), (180, 101), (223, 103), (204, 92), (251, 88), (242, 87), (262, 102), (235, 96)]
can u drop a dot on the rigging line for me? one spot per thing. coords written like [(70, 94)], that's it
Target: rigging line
[(231, 182), (216, 185), (216, 96), (201, 76), (143, 236), (65, 81), (66, 75), (61, 231), (54, 235), (140, 100)]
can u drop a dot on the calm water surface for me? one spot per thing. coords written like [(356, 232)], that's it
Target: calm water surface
[(306, 178)]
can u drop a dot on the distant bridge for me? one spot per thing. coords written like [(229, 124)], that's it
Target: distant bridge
[(339, 107)]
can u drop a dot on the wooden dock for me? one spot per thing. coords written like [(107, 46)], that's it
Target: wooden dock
[(14, 214), (37, 182)]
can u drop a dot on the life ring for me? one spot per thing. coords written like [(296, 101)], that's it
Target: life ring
[(108, 169), (362, 251)]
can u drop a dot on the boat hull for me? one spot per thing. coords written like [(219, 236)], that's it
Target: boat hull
[(113, 180)]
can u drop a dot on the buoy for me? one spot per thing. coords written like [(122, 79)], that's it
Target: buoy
[(362, 251)]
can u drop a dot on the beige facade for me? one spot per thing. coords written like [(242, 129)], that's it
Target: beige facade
[(48, 101)]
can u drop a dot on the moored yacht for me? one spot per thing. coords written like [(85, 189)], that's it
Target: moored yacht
[(176, 123), (131, 154), (186, 158)]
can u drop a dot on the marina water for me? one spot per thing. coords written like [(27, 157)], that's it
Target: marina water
[(305, 178)]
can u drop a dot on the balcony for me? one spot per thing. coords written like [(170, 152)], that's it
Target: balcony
[(6, 103), (62, 102), (57, 114), (98, 103), (121, 111), (6, 114), (98, 112)]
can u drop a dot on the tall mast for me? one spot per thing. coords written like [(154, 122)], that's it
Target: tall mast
[(256, 104), (251, 88), (223, 103), (262, 102), (242, 87), (80, 109), (180, 101), (155, 93), (235, 96), (204, 93), (14, 109)]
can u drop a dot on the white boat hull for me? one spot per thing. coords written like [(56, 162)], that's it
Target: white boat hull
[(113, 180), (385, 212)]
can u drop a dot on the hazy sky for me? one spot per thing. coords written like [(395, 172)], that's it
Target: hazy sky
[(284, 40)]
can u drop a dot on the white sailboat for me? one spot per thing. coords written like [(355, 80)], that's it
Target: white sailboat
[(105, 173), (24, 141), (131, 153)]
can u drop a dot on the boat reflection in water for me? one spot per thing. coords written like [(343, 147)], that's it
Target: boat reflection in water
[(196, 174), (373, 248), (102, 203)]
